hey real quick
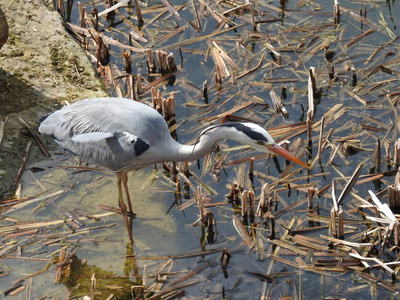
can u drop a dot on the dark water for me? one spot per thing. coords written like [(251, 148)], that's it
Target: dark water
[(160, 229)]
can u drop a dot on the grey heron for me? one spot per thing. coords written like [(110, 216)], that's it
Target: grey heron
[(122, 135)]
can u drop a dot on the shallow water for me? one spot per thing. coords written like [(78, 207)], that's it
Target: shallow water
[(161, 231)]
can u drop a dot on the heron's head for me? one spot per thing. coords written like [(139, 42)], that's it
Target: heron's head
[(257, 137)]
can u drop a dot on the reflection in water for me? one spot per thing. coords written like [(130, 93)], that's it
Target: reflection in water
[(107, 282), (130, 265)]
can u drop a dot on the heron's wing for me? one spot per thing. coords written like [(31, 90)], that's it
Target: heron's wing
[(91, 137), (111, 132), (124, 139)]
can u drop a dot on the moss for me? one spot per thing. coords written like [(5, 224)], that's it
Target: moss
[(57, 57), (13, 39)]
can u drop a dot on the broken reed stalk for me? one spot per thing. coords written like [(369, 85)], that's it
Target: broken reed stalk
[(396, 233), (276, 56), (186, 170), (253, 19), (336, 228), (387, 146), (166, 62), (244, 199), (127, 61), (211, 224), (247, 239), (332, 223), (95, 15), (205, 92), (168, 111), (92, 286), (102, 51), (60, 266), (131, 87), (225, 257), (350, 183), (284, 92), (277, 102), (262, 204), (272, 228), (222, 60), (82, 14), (233, 192), (162, 61), (331, 69), (139, 85), (22, 165), (321, 134), (261, 255), (313, 85), (376, 159), (151, 63), (29, 289), (191, 273), (15, 290), (311, 88), (394, 193), (251, 169), (200, 202), (340, 223), (171, 63), (168, 108), (309, 122), (336, 11), (68, 12), (34, 135), (217, 80), (251, 204), (310, 195), (60, 7), (234, 76), (396, 156), (144, 277), (157, 100), (139, 14), (358, 37), (196, 25), (178, 189), (354, 77)]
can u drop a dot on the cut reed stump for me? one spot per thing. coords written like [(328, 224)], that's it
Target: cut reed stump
[(336, 12), (234, 192), (336, 224), (166, 62), (394, 193)]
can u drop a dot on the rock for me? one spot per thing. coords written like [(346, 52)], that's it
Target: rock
[(3, 29), (41, 67)]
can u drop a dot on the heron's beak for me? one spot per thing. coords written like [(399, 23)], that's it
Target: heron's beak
[(278, 150)]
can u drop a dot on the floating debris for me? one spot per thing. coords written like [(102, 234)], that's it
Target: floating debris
[(341, 114)]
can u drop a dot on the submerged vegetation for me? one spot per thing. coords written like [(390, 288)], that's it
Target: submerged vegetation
[(323, 75)]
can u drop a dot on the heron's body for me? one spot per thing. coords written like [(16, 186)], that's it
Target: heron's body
[(122, 135), (115, 133)]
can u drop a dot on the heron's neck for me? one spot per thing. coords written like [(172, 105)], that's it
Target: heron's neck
[(203, 147)]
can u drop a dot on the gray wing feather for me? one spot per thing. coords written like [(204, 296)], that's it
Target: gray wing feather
[(91, 137), (111, 132)]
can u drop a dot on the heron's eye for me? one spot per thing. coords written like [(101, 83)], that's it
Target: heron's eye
[(261, 143)]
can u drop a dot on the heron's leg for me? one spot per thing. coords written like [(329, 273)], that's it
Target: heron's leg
[(122, 205), (124, 177)]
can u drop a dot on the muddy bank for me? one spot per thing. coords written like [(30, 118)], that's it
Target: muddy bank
[(41, 67)]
